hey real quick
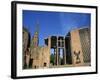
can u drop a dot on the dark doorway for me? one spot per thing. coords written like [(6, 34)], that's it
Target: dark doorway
[(45, 64)]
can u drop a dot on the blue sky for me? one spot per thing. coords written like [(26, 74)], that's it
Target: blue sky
[(54, 23)]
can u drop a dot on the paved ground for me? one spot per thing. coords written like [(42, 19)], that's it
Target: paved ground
[(60, 66)]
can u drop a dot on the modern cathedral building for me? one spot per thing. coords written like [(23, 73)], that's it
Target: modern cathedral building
[(72, 49), (78, 46)]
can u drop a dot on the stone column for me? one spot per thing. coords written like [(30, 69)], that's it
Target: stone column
[(54, 56), (57, 52), (64, 51), (49, 42), (58, 55)]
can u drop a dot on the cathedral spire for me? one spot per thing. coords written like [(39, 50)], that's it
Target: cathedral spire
[(37, 27), (36, 35)]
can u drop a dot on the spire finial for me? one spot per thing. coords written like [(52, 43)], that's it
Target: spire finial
[(37, 27)]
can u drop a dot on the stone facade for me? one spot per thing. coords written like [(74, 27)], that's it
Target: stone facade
[(26, 45), (35, 56), (75, 48), (57, 44), (80, 46), (40, 57)]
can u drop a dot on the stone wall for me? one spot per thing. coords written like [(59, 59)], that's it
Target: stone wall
[(76, 50), (40, 56), (26, 45)]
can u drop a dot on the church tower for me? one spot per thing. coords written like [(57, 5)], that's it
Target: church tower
[(35, 39)]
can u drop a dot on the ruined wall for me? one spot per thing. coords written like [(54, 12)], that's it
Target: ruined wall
[(40, 56), (26, 45)]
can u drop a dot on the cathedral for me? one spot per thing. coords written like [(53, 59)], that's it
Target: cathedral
[(75, 48), (35, 56), (40, 55)]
